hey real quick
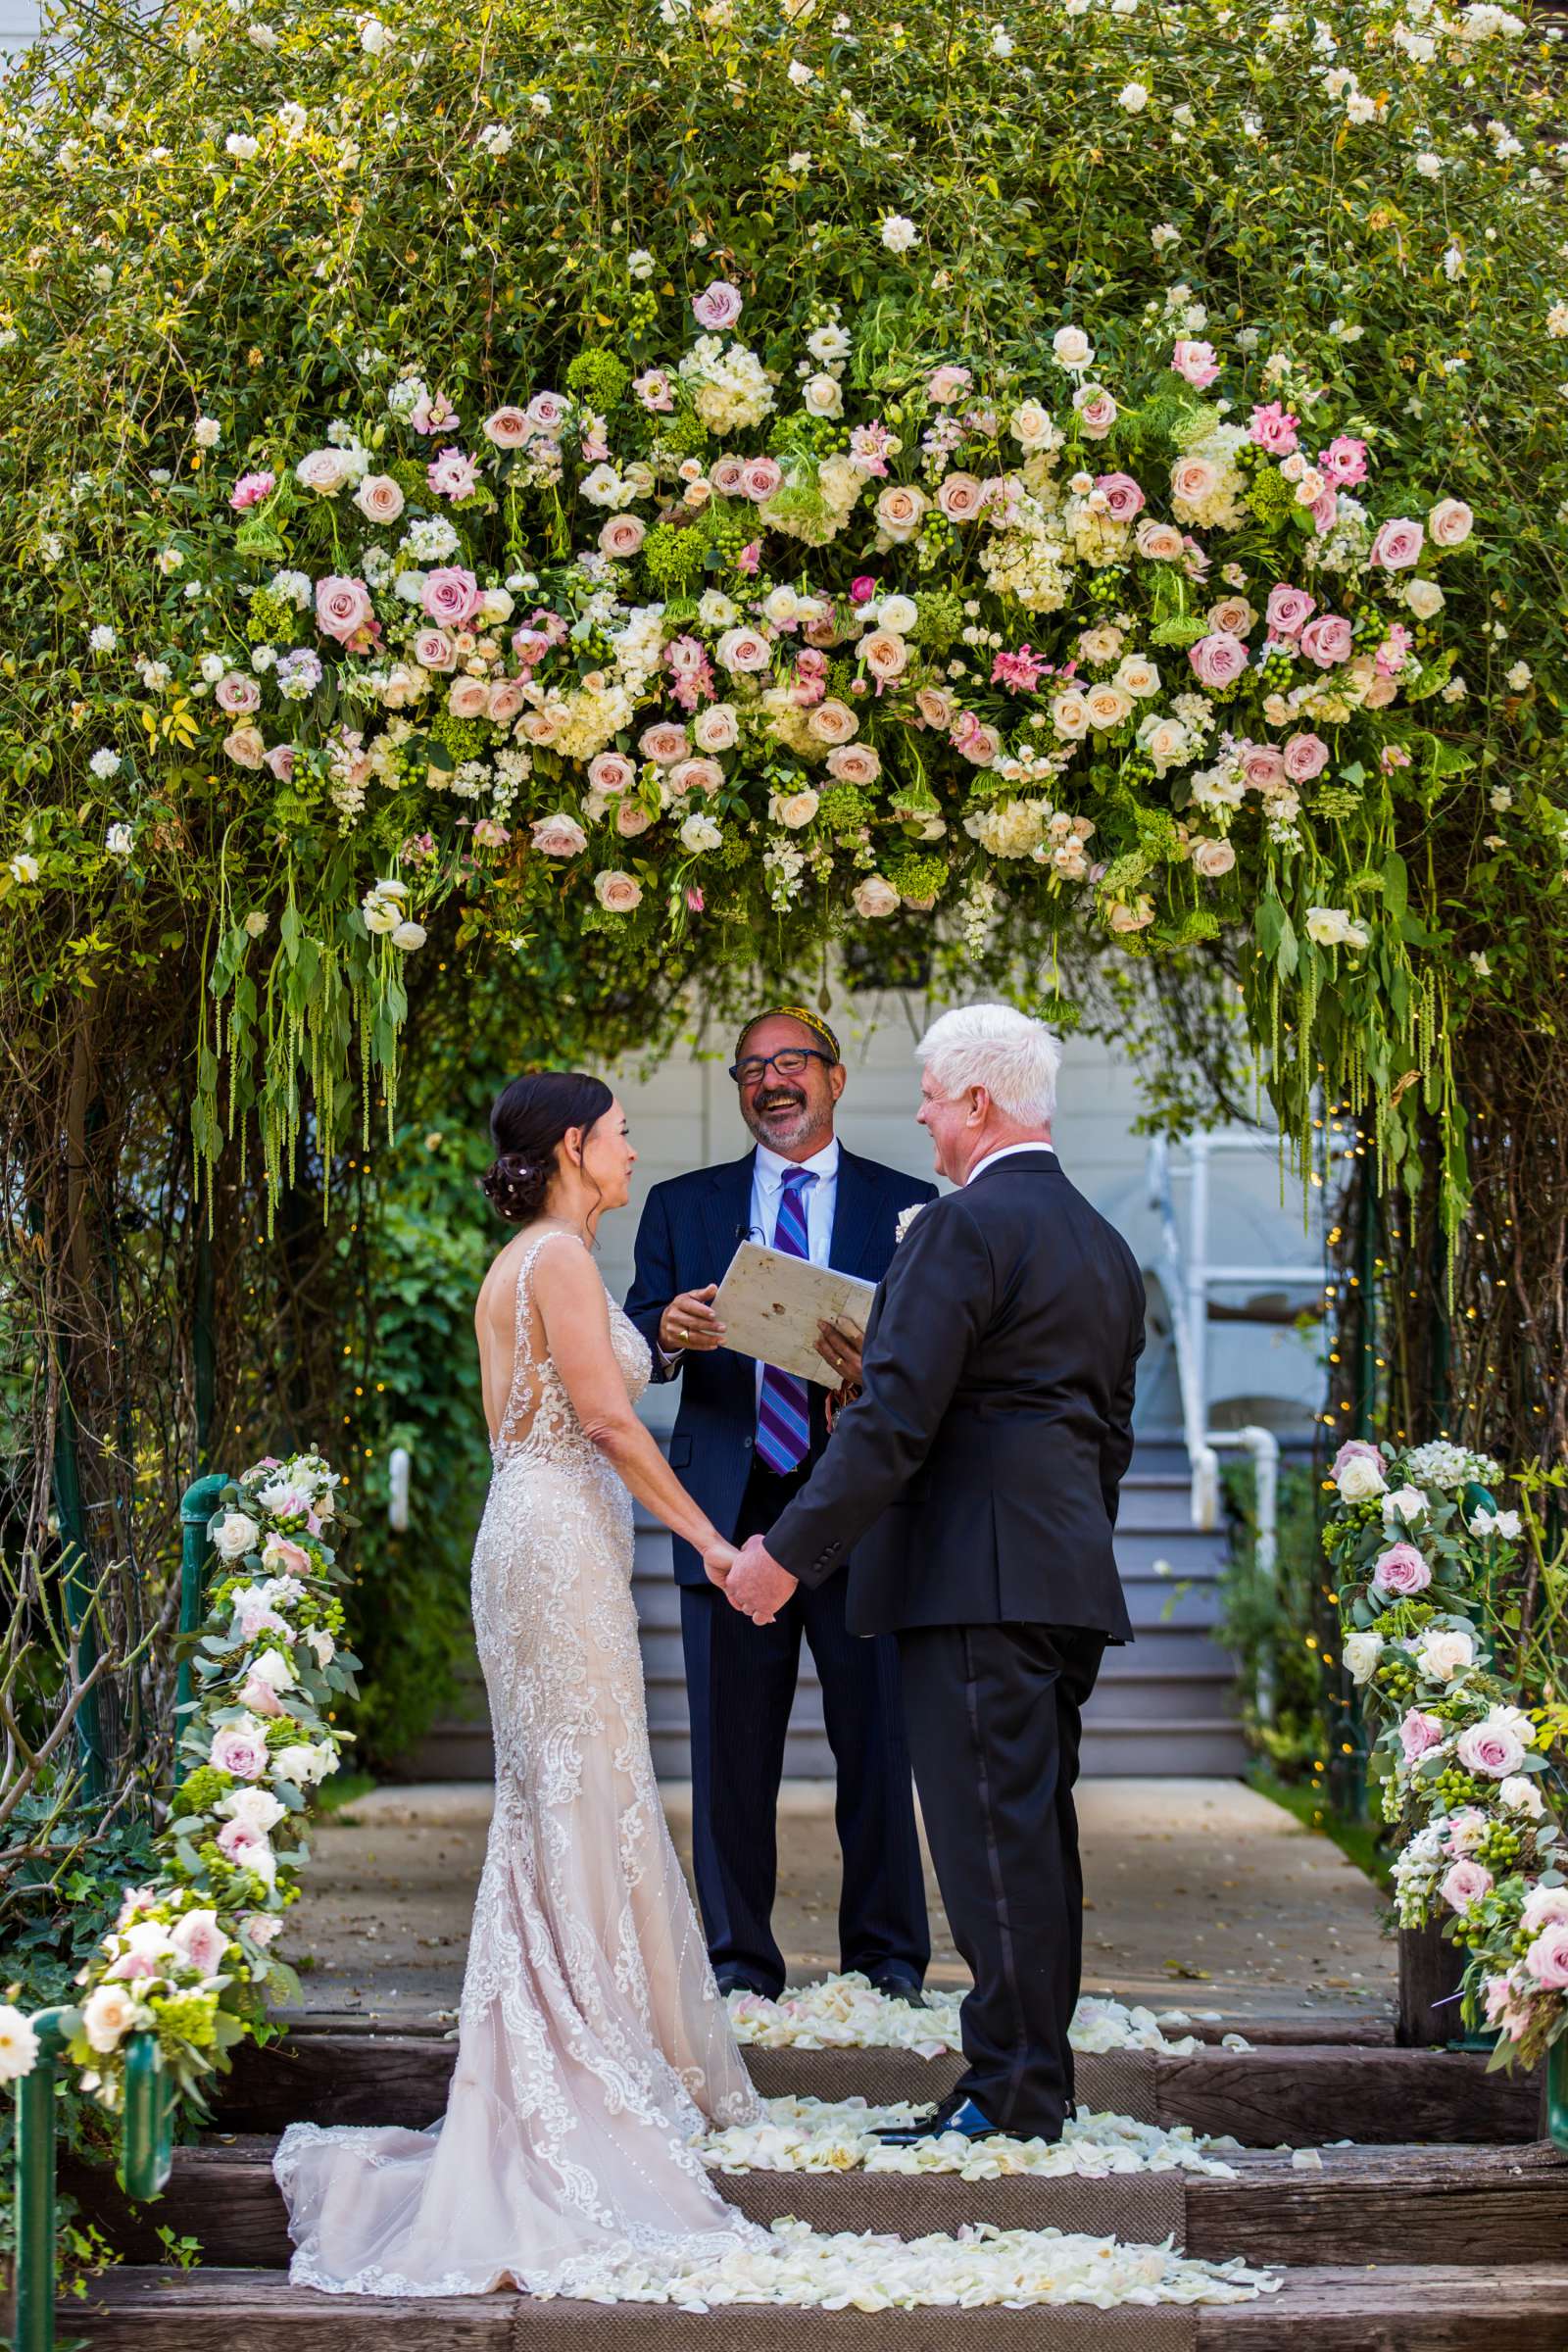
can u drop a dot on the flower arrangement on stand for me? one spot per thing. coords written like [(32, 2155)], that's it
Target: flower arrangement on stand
[(190, 1956), (1423, 1554)]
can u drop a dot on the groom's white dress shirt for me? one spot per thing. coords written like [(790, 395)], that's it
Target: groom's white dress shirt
[(1006, 1152)]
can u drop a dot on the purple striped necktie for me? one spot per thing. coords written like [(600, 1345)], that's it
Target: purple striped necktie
[(784, 1407)]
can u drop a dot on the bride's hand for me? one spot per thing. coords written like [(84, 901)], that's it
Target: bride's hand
[(719, 1558)]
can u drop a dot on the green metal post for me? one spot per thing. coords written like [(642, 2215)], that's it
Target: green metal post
[(147, 2147), (196, 1508), (1557, 2093), (35, 2192)]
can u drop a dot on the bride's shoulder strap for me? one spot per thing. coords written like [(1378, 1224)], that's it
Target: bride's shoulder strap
[(525, 1267)]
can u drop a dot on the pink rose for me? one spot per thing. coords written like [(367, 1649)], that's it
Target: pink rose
[(1122, 495), (631, 818), (1097, 410), (960, 497), (695, 774), (833, 721), (665, 742), (1262, 766), (717, 728), (1491, 1749), (1400, 1570), (1274, 429), (558, 835), (974, 742), (1418, 1734), (948, 384), (622, 536), (240, 1750), (451, 595), (1357, 1449), (1159, 542), (1219, 660), (744, 650), (251, 489), (717, 306), (725, 475), (434, 649), (281, 759), (467, 697), (1305, 756), (935, 706), (1344, 461), (1289, 610), (854, 763), (1326, 640), (343, 608), (760, 478), (1325, 513), (237, 693), (379, 498), (508, 428), (1397, 544), (504, 700), (259, 1695), (547, 413), (1546, 1959), (618, 893), (1464, 1884), (862, 588), (1196, 364), (1212, 858), (1451, 522)]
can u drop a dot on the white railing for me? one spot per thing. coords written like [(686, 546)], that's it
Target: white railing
[(1189, 1276)]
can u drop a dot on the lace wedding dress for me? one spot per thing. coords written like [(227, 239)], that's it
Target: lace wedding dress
[(593, 2046)]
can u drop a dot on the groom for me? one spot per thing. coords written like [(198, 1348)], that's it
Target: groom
[(977, 1478), (744, 1442)]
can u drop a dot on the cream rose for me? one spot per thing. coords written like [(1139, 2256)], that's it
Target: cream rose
[(960, 497), (885, 655), (1069, 715), (616, 892), (832, 721), (854, 763), (716, 729), (1107, 706), (1212, 858), (792, 808), (379, 498), (875, 897), (900, 510)]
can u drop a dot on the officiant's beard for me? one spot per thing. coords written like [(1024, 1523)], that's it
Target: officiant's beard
[(782, 1120)]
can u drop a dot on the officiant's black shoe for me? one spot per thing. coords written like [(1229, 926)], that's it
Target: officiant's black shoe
[(956, 2114), (897, 1985)]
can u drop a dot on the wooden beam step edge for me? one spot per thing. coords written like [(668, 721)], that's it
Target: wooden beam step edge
[(1494, 2208), (1318, 2308)]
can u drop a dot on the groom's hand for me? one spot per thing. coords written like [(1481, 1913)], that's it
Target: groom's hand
[(757, 1584)]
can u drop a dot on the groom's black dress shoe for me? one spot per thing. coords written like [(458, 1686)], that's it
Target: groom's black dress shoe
[(897, 1985), (956, 2114), (735, 1979)]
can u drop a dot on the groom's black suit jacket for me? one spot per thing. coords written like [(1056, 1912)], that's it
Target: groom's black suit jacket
[(975, 1480)]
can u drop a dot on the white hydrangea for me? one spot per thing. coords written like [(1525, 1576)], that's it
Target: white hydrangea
[(729, 387)]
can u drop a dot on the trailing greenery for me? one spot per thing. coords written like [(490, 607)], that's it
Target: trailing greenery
[(1279, 1631)]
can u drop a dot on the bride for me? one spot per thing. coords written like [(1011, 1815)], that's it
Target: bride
[(593, 2045)]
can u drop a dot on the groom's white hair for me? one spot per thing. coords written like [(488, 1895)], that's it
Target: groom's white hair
[(997, 1047)]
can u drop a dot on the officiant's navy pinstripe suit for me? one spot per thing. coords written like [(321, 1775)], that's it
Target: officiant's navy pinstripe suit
[(741, 1676)]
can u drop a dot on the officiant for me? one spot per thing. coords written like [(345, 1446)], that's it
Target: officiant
[(745, 1440)]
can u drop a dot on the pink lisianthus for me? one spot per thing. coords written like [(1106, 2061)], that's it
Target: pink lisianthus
[(1397, 544), (251, 489), (1419, 1733), (1401, 1571), (1508, 2004), (1196, 364), (432, 412), (489, 833), (200, 1941), (1274, 429), (750, 557), (453, 474), (717, 306), (1344, 461), (1325, 513), (1392, 652), (1464, 1886)]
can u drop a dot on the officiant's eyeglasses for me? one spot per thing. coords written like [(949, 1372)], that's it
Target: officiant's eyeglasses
[(788, 1064)]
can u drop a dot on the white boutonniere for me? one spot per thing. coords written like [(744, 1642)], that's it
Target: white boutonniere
[(907, 1217)]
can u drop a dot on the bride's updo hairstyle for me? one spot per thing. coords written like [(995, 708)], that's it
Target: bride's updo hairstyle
[(527, 1121)]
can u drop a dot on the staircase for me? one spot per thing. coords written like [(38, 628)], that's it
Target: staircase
[(1402, 2242), (1163, 1704)]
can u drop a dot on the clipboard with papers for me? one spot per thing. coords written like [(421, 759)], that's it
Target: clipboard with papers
[(770, 1305)]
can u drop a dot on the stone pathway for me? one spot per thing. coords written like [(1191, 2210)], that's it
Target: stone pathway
[(1202, 1896)]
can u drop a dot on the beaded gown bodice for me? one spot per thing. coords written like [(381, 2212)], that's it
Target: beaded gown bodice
[(593, 2045)]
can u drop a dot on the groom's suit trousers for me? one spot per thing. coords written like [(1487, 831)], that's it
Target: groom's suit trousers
[(996, 1712)]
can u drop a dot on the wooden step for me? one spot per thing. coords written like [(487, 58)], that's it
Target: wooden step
[(1488, 2206), (1279, 2095), (1336, 2307)]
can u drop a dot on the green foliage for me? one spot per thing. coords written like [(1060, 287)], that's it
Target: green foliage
[(1280, 1630)]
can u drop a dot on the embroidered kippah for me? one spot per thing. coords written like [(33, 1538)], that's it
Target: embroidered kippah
[(790, 1012)]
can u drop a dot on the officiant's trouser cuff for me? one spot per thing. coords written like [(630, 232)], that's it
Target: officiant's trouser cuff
[(997, 1712)]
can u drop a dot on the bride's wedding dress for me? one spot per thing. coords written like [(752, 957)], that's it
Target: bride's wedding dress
[(593, 2045)]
